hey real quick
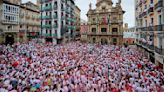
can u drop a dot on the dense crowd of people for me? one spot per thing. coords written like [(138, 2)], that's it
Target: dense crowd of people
[(77, 67)]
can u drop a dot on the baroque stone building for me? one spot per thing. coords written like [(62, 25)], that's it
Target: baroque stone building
[(105, 23)]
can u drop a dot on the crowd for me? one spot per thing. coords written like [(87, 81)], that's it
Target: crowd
[(76, 67)]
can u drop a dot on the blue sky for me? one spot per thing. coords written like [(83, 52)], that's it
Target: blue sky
[(127, 5)]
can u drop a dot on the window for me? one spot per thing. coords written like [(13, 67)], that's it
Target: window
[(103, 30), (114, 40), (151, 1), (160, 19), (94, 40), (9, 8), (93, 19), (94, 30), (145, 6), (50, 22), (152, 21), (50, 32), (114, 29), (46, 31), (146, 23), (9, 18), (103, 8)]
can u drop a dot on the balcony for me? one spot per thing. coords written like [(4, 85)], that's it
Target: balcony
[(43, 1), (144, 1), (63, 18), (49, 35), (159, 50), (151, 47), (64, 1), (71, 19), (104, 34), (55, 17), (28, 16), (140, 3), (67, 10), (114, 33), (159, 5), (71, 27), (46, 26), (55, 7), (114, 22), (150, 10), (160, 27), (153, 28), (63, 9), (55, 26), (46, 8), (46, 17), (144, 13)]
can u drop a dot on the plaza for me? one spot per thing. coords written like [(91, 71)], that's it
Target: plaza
[(77, 67), (75, 46)]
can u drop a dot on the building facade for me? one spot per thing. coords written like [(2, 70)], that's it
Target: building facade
[(29, 24), (129, 36), (57, 20), (19, 21), (77, 15), (105, 23), (9, 24), (83, 30), (149, 16)]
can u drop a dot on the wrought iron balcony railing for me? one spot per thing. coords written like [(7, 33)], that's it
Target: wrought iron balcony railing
[(159, 50), (159, 4)]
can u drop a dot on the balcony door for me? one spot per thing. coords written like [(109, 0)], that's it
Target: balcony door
[(103, 30), (160, 19), (114, 30), (9, 39), (93, 30), (160, 42), (104, 41), (114, 41)]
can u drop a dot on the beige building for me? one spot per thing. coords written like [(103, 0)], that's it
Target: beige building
[(129, 35), (77, 15), (105, 23), (83, 30), (150, 29), (29, 24)]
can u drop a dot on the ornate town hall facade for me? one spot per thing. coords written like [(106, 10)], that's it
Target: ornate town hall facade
[(105, 23)]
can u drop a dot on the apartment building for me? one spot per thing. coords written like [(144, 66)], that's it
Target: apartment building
[(77, 23), (19, 21), (57, 20), (9, 16), (29, 24), (149, 16)]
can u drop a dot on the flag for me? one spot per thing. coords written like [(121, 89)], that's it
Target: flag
[(108, 19), (98, 20), (105, 20)]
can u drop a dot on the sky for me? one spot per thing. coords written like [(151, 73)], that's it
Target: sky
[(127, 5)]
